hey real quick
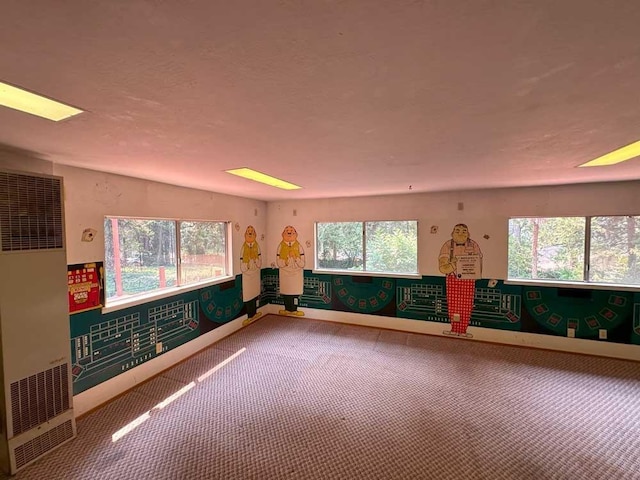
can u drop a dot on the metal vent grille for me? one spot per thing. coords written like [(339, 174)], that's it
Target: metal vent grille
[(41, 444), (39, 398), (30, 212)]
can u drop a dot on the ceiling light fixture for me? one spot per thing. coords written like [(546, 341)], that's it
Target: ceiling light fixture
[(18, 99), (262, 178), (617, 156)]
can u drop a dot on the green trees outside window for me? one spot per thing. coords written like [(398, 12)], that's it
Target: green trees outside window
[(146, 255), (582, 249), (615, 247), (379, 247)]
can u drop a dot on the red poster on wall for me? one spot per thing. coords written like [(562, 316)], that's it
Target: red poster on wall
[(84, 282)]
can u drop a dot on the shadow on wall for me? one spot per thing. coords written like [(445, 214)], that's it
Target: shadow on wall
[(18, 159)]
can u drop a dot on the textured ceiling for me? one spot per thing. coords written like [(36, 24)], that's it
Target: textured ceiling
[(345, 98)]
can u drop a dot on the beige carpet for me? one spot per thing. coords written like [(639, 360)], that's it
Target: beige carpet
[(316, 400)]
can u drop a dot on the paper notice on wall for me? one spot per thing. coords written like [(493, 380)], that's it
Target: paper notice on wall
[(469, 266), (85, 286)]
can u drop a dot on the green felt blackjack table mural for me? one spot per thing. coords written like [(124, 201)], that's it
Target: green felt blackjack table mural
[(586, 313)]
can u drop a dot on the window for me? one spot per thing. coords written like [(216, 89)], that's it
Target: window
[(579, 249), (380, 247), (148, 255), (203, 251), (615, 248), (547, 248)]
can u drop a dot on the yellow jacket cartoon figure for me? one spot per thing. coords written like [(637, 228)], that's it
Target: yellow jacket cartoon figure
[(250, 264), (290, 262)]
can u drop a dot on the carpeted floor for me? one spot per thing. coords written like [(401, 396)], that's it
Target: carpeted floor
[(304, 399)]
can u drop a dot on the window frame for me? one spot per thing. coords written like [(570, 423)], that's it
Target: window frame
[(586, 282), (364, 272), (157, 294)]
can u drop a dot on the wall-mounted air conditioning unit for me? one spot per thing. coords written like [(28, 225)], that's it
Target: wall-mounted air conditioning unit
[(36, 399)]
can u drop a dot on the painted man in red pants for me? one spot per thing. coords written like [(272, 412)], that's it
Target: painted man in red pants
[(461, 261)]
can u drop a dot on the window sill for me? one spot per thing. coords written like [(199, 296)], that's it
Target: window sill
[(134, 300), (568, 284), (357, 273)]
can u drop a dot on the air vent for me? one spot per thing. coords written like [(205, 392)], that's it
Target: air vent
[(41, 444), (30, 212), (39, 398)]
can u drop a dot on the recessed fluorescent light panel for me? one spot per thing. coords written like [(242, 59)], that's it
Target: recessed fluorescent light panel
[(617, 156), (262, 178), (28, 102)]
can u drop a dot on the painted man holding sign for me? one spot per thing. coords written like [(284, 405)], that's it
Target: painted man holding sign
[(461, 261)]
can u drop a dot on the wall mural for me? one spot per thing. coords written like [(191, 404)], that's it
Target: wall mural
[(103, 346), (542, 310), (495, 305), (316, 289), (600, 315), (290, 261), (250, 265), (635, 336), (364, 294), (221, 303)]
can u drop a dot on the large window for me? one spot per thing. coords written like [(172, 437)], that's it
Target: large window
[(377, 247), (579, 249), (146, 255)]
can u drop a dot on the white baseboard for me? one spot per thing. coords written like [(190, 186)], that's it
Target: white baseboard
[(507, 337)]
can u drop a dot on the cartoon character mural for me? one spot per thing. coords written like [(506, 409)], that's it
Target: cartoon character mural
[(250, 264), (461, 261), (290, 262)]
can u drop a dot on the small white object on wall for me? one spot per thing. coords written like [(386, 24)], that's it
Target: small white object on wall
[(88, 234)]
